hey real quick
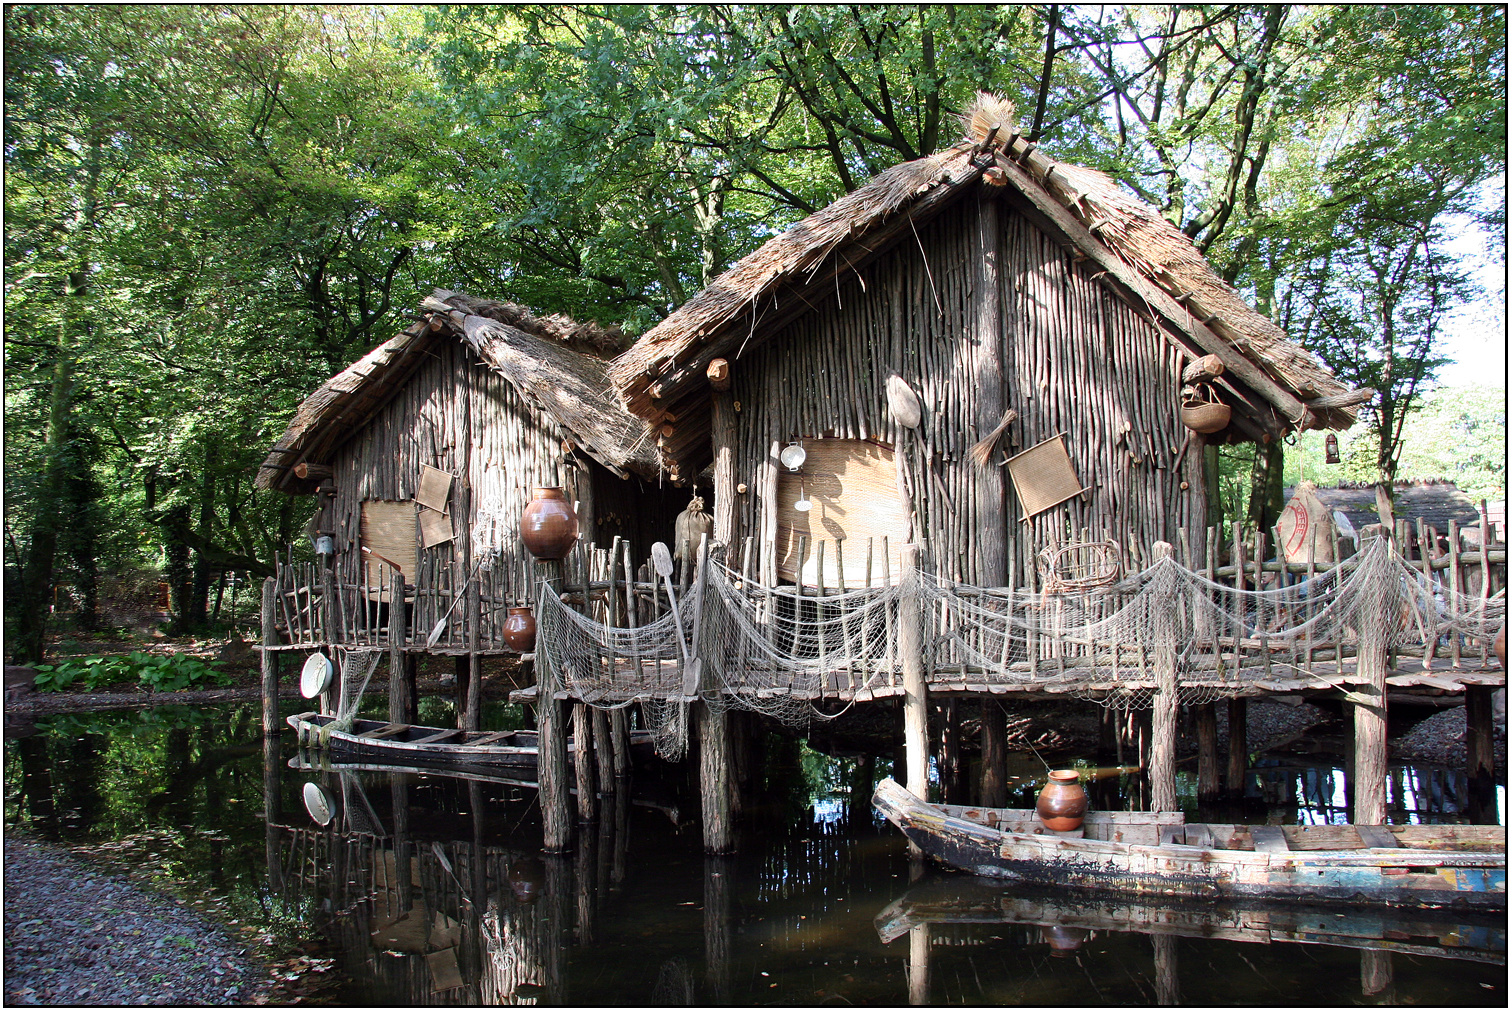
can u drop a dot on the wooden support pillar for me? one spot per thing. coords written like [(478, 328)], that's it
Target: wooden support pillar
[(915, 696), (619, 733), (603, 750), (719, 887), (462, 666), (1376, 976), (269, 658), (1163, 732), (918, 964), (994, 754), (714, 772), (1238, 747), (987, 378), (582, 763), (1207, 753), (331, 635), (1480, 761), (715, 761), (552, 757), (273, 768), (951, 760), (1167, 980), (398, 693), (1368, 701)]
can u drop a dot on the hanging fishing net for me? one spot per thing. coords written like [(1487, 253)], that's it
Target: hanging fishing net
[(355, 667), (782, 651)]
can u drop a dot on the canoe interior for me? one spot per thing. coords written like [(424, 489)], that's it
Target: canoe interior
[(379, 733)]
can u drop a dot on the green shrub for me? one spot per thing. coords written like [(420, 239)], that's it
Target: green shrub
[(159, 672)]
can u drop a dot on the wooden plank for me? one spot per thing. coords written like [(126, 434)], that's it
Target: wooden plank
[(1198, 835), (388, 731), (1269, 839), (1376, 836), (438, 736), (1172, 834), (489, 739)]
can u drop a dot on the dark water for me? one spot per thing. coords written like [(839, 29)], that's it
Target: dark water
[(819, 907)]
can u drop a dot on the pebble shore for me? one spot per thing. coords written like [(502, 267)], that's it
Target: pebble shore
[(78, 935)]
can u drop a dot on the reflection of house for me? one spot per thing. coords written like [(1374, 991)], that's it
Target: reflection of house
[(989, 279)]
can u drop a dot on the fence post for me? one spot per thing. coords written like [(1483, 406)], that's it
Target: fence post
[(398, 701), (269, 658), (1163, 729), (915, 697)]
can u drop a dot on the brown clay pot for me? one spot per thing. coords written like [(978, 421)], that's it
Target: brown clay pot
[(1500, 646), (520, 629), (1062, 803), (549, 527)]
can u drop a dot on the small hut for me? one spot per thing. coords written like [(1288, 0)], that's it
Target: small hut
[(985, 351), (424, 454)]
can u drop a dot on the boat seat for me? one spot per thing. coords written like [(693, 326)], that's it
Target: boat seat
[(1377, 836), (1172, 834), (1199, 836), (388, 731), (1269, 839), (489, 739), (439, 735)]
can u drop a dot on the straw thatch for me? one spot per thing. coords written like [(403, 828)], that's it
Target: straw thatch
[(536, 355), (1149, 262)]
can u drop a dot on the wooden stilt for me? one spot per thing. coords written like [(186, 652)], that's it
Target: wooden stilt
[(918, 965), (719, 887), (619, 731), (1368, 701), (915, 697), (1167, 980), (1163, 731), (603, 750), (1207, 753), (1480, 761), (269, 658), (1376, 974), (583, 764), (1238, 747), (714, 772), (462, 665), (552, 757), (994, 755), (715, 760)]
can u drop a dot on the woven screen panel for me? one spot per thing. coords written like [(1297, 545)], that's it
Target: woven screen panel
[(435, 528), (1043, 476), (388, 529), (853, 486), (435, 488)]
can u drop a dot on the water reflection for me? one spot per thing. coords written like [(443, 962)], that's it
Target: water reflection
[(430, 889)]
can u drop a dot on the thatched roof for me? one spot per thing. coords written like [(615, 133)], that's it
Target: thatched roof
[(543, 358), (1278, 385)]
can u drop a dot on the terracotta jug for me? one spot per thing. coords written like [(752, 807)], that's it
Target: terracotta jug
[(1500, 646), (520, 629), (1063, 802), (549, 527)]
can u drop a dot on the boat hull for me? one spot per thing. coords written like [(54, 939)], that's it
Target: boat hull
[(1394, 877)]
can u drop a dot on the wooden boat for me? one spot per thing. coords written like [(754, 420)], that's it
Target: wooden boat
[(382, 741), (1065, 918), (1158, 854)]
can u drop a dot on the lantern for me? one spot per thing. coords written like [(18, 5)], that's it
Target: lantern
[(1331, 449)]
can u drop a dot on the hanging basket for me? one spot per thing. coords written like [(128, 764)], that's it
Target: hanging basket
[(1202, 411)]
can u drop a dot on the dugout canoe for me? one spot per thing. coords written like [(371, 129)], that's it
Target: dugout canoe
[(1159, 854), (384, 741), (1066, 918)]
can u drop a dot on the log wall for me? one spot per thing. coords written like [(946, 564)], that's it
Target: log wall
[(1075, 360)]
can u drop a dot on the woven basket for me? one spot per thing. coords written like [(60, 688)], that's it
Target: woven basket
[(1202, 411)]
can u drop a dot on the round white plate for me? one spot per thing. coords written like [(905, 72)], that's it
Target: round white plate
[(318, 803), (315, 676)]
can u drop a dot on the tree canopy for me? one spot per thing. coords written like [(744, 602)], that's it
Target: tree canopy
[(213, 208)]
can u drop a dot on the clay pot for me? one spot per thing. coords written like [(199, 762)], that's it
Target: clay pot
[(1063, 802), (520, 630), (549, 527), (1500, 646)]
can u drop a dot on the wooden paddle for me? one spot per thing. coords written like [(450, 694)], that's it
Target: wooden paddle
[(661, 558)]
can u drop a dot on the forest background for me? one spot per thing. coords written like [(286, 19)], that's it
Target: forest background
[(211, 209)]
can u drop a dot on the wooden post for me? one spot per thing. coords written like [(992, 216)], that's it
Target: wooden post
[(1238, 747), (994, 754), (269, 658), (1368, 700), (1376, 974), (719, 935), (987, 377), (552, 756), (1207, 753), (603, 750), (398, 697), (1163, 732), (1167, 980), (915, 696), (1480, 762), (462, 691), (918, 964), (619, 733), (715, 759), (582, 762), (330, 634)]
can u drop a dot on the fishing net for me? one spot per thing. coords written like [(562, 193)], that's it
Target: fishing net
[(783, 651), (355, 667)]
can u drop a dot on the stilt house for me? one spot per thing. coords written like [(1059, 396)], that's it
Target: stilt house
[(424, 454), (986, 296)]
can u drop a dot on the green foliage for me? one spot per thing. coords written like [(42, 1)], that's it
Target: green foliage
[(156, 672)]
